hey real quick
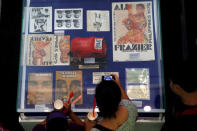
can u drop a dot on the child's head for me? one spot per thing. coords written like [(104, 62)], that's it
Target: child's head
[(140, 8)]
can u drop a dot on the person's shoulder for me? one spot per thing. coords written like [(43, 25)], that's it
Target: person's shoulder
[(122, 115)]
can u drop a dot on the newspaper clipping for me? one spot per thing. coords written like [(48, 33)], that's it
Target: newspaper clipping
[(39, 88), (40, 50), (61, 50), (138, 83), (68, 19), (40, 19), (98, 20), (69, 81), (133, 37)]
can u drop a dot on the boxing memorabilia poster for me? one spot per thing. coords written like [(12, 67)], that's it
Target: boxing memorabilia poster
[(40, 19), (61, 50), (40, 50), (97, 76), (39, 91), (98, 20), (69, 81), (68, 19), (138, 83), (133, 36)]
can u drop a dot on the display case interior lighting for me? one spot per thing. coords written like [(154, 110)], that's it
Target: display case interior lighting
[(147, 108)]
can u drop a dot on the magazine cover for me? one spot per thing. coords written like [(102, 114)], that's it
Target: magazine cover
[(133, 37), (61, 50), (98, 20), (138, 83), (39, 89), (68, 81), (40, 50), (40, 19), (68, 19)]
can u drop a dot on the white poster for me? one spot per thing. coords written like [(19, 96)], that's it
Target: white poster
[(138, 83), (98, 20), (97, 76), (40, 19), (132, 27), (68, 19)]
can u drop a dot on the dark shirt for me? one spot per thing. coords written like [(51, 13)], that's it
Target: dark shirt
[(72, 127), (184, 119), (101, 128)]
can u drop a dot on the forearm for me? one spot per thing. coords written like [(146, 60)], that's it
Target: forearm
[(75, 118), (123, 93)]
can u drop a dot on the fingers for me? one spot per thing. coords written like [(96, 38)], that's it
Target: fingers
[(115, 76), (117, 80)]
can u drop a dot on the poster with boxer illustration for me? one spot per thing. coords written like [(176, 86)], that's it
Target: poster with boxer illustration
[(61, 50), (40, 50), (133, 36)]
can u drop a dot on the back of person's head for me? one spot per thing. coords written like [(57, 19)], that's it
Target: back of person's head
[(108, 96), (185, 74), (58, 123)]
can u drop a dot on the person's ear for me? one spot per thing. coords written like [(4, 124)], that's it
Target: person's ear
[(171, 83)]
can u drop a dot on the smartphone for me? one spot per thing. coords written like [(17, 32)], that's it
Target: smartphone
[(108, 78)]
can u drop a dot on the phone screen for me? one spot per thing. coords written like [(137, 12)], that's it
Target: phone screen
[(107, 78)]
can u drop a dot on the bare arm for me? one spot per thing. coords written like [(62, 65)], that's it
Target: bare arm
[(89, 125), (123, 93), (72, 115)]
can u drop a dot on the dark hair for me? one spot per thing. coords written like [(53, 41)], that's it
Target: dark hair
[(108, 96), (57, 124), (184, 74)]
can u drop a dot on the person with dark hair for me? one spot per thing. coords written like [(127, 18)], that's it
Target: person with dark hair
[(183, 109), (57, 121), (117, 111)]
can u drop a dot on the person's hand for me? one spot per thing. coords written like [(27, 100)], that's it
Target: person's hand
[(67, 107), (43, 122), (89, 124), (117, 80)]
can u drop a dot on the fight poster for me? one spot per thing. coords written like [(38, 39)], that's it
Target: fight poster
[(68, 19), (40, 19), (133, 36), (39, 91), (40, 50), (69, 81), (98, 20), (138, 83), (61, 50)]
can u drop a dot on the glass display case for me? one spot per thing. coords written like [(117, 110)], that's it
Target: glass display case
[(68, 45)]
